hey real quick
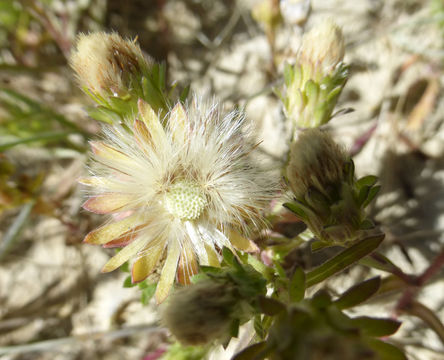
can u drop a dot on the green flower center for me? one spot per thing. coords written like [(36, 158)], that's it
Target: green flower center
[(185, 200)]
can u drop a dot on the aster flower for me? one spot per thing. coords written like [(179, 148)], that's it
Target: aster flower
[(181, 187)]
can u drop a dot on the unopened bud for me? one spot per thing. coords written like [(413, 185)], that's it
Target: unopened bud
[(313, 84), (200, 313), (316, 161), (267, 13), (328, 198), (323, 48), (295, 12), (106, 64)]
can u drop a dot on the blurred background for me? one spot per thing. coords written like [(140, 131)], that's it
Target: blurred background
[(54, 302)]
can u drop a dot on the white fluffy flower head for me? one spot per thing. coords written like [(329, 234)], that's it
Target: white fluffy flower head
[(182, 187)]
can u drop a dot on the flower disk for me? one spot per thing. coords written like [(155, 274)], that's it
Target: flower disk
[(178, 189), (185, 200)]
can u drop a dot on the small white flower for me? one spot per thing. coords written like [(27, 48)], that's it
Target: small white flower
[(183, 186)]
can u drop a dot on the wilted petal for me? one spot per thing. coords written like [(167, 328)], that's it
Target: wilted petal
[(168, 271), (125, 238), (147, 261), (213, 259), (143, 135), (123, 255), (187, 265), (242, 243), (108, 203), (109, 232), (106, 151), (156, 132), (178, 123), (95, 181), (198, 244)]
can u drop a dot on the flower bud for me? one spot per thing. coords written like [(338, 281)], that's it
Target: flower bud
[(314, 83), (266, 13), (108, 65), (295, 12), (316, 161), (328, 198), (200, 313), (323, 48)]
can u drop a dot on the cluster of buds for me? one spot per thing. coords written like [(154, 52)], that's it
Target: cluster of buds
[(327, 196), (317, 328), (115, 74), (314, 83), (213, 308)]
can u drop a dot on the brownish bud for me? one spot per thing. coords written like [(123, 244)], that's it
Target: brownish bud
[(201, 313), (316, 161), (323, 47), (106, 64)]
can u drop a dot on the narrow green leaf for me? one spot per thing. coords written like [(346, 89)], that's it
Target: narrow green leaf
[(43, 137), (333, 95), (366, 224), (368, 180), (251, 352), (376, 327), (371, 195), (318, 245), (184, 94), (358, 293), (294, 208), (288, 74), (258, 327), (269, 306), (385, 350), (349, 170), (148, 293), (234, 328), (363, 194), (312, 92), (12, 235), (127, 283), (228, 256), (104, 114), (321, 299), (340, 321), (343, 259), (210, 269), (260, 267), (162, 76), (125, 266), (380, 262), (297, 285), (122, 105), (279, 269)]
